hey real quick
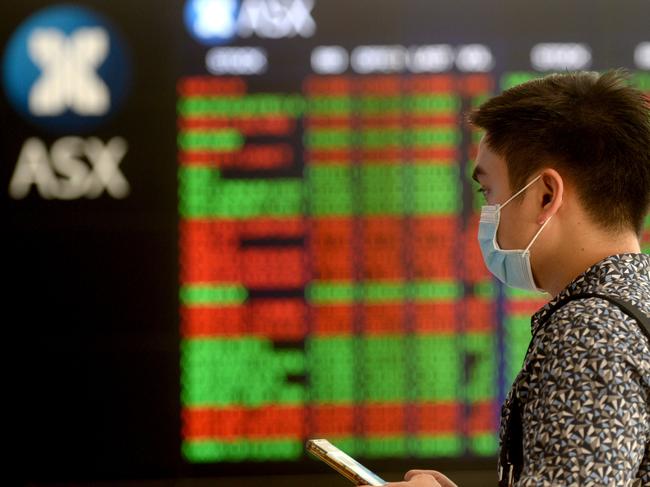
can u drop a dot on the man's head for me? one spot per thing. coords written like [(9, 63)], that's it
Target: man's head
[(593, 129), (588, 138)]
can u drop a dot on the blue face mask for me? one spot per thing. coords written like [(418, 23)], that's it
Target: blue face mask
[(512, 267)]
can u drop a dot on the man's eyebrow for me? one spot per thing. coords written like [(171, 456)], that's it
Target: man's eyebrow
[(478, 171)]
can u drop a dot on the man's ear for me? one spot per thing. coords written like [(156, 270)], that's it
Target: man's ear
[(552, 194)]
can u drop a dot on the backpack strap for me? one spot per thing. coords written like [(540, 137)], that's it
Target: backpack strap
[(632, 310), (511, 457)]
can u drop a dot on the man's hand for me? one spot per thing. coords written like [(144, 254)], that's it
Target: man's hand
[(422, 478)]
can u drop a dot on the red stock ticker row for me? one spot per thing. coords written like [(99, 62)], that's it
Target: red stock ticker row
[(288, 421), (211, 251)]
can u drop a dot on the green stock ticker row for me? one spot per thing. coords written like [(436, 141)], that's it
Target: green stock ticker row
[(229, 139), (336, 190), (293, 105), (329, 292), (339, 370), (420, 446)]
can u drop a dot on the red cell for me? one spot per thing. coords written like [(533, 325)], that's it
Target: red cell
[(332, 420), (482, 418), (447, 155), (430, 84), (473, 264), (439, 317), (277, 319), (208, 251), (331, 249), (384, 419), (204, 321), (383, 318), (322, 85), (434, 241), (332, 319), (437, 418), (379, 85), (272, 268), (394, 121), (480, 314), (387, 155), (316, 122), (427, 121), (272, 227), (476, 84), (235, 422), (328, 156), (382, 248), (208, 85), (211, 251), (526, 308)]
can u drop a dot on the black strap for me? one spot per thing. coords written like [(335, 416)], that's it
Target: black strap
[(511, 458), (632, 310)]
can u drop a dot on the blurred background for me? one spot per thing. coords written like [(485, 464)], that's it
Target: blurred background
[(233, 225)]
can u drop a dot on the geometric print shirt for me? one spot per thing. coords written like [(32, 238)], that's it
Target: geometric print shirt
[(584, 388)]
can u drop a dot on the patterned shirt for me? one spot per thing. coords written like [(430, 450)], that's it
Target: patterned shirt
[(584, 388)]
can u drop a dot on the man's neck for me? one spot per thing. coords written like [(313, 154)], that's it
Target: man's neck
[(578, 257)]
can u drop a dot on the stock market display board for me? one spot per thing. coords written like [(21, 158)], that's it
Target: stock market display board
[(331, 282)]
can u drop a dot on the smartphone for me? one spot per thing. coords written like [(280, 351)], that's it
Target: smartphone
[(342, 463)]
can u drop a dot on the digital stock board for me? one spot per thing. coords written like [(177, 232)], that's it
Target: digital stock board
[(252, 222)]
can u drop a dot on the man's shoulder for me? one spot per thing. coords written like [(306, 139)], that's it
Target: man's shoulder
[(592, 327)]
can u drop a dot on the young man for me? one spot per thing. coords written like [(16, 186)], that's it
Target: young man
[(565, 169)]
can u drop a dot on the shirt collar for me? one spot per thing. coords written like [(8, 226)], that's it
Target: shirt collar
[(604, 273)]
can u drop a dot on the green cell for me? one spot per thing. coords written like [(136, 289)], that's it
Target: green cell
[(438, 365), (433, 104), (353, 446), (329, 190), (200, 294), (383, 369), (242, 371), (485, 290), (385, 447), (437, 446), (478, 100), (433, 137), (517, 338), (250, 105), (329, 105), (380, 138), (435, 290), (516, 294), (641, 81), (379, 105), (382, 190), (203, 193), (323, 292), (484, 445), (480, 352), (383, 292), (508, 80), (435, 189), (205, 451), (224, 140), (331, 369), (329, 138)]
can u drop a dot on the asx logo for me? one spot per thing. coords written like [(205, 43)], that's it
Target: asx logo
[(219, 21), (65, 70)]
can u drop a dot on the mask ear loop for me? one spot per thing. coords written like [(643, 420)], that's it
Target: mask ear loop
[(537, 234), (519, 192)]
